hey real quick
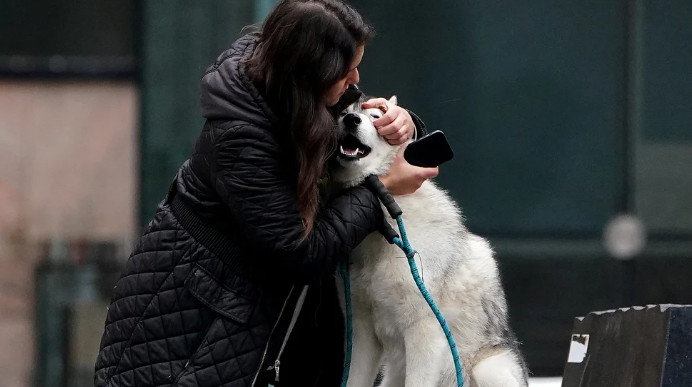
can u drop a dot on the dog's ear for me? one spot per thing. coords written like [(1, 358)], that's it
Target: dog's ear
[(393, 100)]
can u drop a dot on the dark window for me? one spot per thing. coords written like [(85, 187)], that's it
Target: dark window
[(67, 37)]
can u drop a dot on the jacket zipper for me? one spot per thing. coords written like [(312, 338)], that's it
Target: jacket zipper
[(294, 318), (264, 354)]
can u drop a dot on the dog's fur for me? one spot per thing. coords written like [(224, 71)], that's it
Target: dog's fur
[(393, 326)]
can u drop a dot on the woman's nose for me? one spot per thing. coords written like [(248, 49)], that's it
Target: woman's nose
[(355, 77)]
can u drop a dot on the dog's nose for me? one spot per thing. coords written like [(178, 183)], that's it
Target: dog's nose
[(351, 120)]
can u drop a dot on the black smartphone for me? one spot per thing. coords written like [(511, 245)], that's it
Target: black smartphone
[(429, 151)]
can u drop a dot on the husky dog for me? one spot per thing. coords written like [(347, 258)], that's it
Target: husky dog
[(394, 329)]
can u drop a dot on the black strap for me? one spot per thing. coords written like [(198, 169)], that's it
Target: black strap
[(221, 245)]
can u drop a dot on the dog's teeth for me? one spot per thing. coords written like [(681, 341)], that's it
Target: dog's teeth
[(359, 151), (342, 149)]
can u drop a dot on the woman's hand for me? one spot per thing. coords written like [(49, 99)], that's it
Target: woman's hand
[(396, 125), (404, 178)]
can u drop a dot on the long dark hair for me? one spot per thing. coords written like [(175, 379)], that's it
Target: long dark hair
[(305, 47)]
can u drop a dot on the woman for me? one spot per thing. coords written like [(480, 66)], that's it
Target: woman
[(241, 255)]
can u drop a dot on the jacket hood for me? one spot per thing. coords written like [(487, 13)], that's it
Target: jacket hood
[(226, 91)]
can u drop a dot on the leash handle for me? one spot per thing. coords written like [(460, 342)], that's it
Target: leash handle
[(388, 232), (385, 197), (390, 204)]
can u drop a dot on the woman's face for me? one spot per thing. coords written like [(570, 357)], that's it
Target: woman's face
[(338, 89)]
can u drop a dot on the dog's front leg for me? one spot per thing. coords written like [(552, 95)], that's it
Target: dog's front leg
[(394, 368), (426, 347), (367, 353)]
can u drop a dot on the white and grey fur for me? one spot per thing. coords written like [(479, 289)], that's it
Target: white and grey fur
[(394, 328)]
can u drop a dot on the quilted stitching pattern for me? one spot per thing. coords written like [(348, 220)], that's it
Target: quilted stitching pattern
[(163, 330), (229, 355), (157, 330), (158, 333), (249, 177)]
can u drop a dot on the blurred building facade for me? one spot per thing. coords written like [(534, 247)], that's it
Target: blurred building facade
[(69, 118), (68, 176), (564, 116)]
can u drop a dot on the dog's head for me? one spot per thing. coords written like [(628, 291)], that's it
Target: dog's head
[(361, 150)]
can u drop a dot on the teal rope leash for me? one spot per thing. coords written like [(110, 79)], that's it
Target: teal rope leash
[(405, 246), (349, 322), (410, 255)]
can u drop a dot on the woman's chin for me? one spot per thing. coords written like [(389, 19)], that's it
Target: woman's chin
[(331, 103)]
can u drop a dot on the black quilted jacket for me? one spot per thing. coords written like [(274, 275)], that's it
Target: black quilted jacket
[(213, 289)]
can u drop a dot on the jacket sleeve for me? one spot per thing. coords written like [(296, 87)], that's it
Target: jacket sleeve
[(421, 129), (250, 178)]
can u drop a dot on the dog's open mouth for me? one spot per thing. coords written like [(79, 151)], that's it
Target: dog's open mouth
[(350, 148)]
